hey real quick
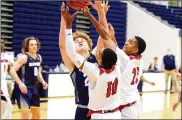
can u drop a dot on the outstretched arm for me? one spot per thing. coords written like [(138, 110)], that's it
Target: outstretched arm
[(76, 58), (100, 29), (144, 80), (62, 46)]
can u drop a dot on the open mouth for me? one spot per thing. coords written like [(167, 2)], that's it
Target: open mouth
[(80, 44)]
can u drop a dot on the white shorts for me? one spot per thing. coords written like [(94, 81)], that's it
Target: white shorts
[(113, 115), (132, 112)]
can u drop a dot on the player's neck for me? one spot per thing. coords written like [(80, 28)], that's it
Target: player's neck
[(85, 54), (33, 55)]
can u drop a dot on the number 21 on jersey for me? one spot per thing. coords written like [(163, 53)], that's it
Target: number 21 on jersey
[(135, 76)]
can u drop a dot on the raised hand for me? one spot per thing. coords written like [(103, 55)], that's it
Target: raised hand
[(66, 15), (85, 11), (105, 6), (97, 5)]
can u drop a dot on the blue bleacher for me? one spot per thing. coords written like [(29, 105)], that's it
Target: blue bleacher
[(116, 15), (40, 19), (171, 14)]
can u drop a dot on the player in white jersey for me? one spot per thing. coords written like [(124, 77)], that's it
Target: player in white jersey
[(103, 83), (131, 68), (6, 106)]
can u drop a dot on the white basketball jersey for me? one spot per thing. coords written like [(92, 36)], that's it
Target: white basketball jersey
[(105, 94), (131, 71), (130, 79), (4, 68)]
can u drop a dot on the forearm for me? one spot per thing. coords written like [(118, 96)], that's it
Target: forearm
[(40, 77), (144, 80), (76, 58), (114, 40), (102, 19), (100, 29), (62, 37), (103, 22)]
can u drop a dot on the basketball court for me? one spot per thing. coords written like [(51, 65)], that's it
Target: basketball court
[(155, 105)]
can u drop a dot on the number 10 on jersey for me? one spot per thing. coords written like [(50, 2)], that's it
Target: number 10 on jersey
[(112, 88)]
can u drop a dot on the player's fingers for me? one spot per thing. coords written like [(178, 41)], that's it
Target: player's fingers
[(106, 3)]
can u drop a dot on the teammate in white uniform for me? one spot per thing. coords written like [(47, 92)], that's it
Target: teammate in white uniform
[(103, 83), (131, 66), (6, 106)]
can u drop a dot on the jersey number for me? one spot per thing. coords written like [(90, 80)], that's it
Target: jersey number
[(135, 75), (112, 88)]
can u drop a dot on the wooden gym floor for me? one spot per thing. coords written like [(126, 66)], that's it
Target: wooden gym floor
[(155, 105)]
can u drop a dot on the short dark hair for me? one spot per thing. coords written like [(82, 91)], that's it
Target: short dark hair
[(109, 58), (141, 44)]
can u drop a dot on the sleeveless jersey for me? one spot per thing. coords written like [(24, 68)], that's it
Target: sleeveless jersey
[(29, 71)]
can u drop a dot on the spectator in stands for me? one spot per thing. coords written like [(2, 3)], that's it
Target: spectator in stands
[(154, 66), (169, 63)]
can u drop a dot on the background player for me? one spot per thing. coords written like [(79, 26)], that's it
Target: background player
[(175, 105), (6, 106), (27, 66)]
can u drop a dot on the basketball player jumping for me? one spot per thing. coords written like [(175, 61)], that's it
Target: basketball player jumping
[(80, 81), (28, 67), (131, 69), (103, 82)]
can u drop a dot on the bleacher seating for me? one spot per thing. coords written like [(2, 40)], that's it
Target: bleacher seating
[(116, 15), (172, 14), (40, 19), (176, 10)]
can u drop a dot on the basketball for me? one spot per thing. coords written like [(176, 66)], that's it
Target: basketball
[(77, 4)]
